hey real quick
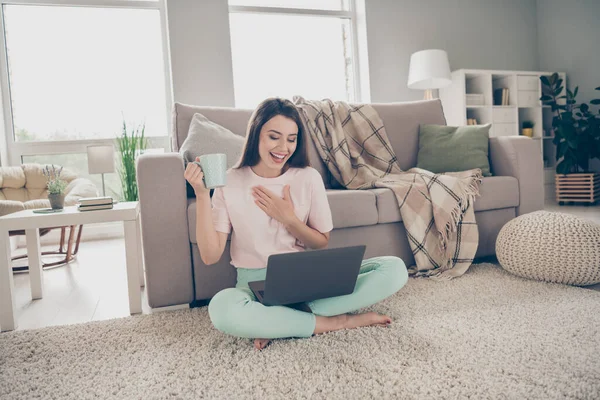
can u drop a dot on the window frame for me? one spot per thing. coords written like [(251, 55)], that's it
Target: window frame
[(12, 151), (350, 14)]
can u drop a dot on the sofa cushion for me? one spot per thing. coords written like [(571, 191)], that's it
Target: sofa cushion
[(19, 194), (10, 206), (12, 177), (76, 189), (36, 193), (454, 148), (387, 206), (35, 178), (234, 119), (349, 208), (37, 203), (496, 192), (207, 137), (33, 175)]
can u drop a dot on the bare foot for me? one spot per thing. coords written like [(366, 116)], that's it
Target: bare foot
[(366, 319), (260, 344)]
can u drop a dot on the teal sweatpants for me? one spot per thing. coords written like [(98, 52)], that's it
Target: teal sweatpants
[(236, 311)]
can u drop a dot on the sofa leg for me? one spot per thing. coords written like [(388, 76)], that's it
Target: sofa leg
[(199, 303)]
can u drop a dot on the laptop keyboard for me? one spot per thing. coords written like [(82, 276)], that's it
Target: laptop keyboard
[(262, 293)]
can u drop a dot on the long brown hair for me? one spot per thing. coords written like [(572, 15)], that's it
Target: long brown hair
[(266, 110)]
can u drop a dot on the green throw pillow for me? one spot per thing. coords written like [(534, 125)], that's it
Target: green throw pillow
[(454, 148)]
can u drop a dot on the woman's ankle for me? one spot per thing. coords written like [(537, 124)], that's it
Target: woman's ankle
[(330, 324)]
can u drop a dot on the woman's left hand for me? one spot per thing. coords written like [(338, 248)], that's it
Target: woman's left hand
[(281, 209)]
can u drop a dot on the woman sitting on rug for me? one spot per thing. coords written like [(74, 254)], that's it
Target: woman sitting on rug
[(287, 220)]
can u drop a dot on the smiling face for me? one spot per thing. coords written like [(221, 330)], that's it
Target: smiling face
[(277, 142), (275, 139)]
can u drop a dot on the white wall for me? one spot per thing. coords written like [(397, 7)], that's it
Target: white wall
[(488, 34), (569, 40), (498, 34), (200, 52)]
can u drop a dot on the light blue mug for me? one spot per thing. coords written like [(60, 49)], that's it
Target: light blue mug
[(214, 167)]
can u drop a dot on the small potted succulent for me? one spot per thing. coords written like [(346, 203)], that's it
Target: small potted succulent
[(56, 187), (528, 128)]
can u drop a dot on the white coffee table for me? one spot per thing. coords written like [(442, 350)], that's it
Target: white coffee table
[(128, 212)]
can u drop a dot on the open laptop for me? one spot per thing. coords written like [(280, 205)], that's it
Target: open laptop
[(295, 278)]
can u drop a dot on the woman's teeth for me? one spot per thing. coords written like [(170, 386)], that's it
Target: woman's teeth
[(277, 158)]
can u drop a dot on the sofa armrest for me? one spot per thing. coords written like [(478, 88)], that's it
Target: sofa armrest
[(520, 157), (10, 206), (166, 243)]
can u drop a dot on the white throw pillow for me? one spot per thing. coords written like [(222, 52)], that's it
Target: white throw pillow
[(207, 137)]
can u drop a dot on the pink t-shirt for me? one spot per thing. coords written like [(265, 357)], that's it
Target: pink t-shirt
[(256, 235)]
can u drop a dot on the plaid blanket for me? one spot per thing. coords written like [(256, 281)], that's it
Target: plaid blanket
[(437, 209)]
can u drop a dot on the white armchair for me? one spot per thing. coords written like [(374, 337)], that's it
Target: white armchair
[(24, 188)]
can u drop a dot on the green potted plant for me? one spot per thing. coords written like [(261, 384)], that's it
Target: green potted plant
[(576, 127), (130, 144), (576, 136), (528, 128), (56, 187)]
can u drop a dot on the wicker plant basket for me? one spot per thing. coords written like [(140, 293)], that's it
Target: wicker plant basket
[(580, 188)]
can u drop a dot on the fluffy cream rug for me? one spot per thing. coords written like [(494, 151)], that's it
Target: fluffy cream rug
[(487, 334)]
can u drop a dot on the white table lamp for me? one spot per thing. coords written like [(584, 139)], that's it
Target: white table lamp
[(429, 69), (101, 160)]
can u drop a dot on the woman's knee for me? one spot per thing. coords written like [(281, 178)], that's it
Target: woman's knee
[(221, 308), (398, 274)]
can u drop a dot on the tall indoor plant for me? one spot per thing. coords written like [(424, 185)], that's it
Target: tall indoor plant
[(576, 127), (130, 144)]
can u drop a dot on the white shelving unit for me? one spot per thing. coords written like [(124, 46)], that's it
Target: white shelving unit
[(524, 92)]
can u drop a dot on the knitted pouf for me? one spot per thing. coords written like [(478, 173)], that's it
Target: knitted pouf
[(551, 247)]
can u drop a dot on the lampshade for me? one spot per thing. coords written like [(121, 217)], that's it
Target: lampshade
[(429, 69), (101, 159)]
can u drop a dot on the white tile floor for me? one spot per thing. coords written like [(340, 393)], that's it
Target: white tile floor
[(94, 286)]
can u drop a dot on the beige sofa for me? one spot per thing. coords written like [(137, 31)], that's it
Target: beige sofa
[(175, 273)]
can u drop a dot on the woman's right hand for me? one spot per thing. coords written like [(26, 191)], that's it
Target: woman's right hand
[(193, 174)]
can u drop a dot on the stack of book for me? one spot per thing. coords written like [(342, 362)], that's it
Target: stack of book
[(474, 99), (501, 97), (472, 121), (95, 203)]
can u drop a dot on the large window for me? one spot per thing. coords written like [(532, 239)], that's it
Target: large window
[(74, 71), (77, 162), (282, 51), (337, 5)]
